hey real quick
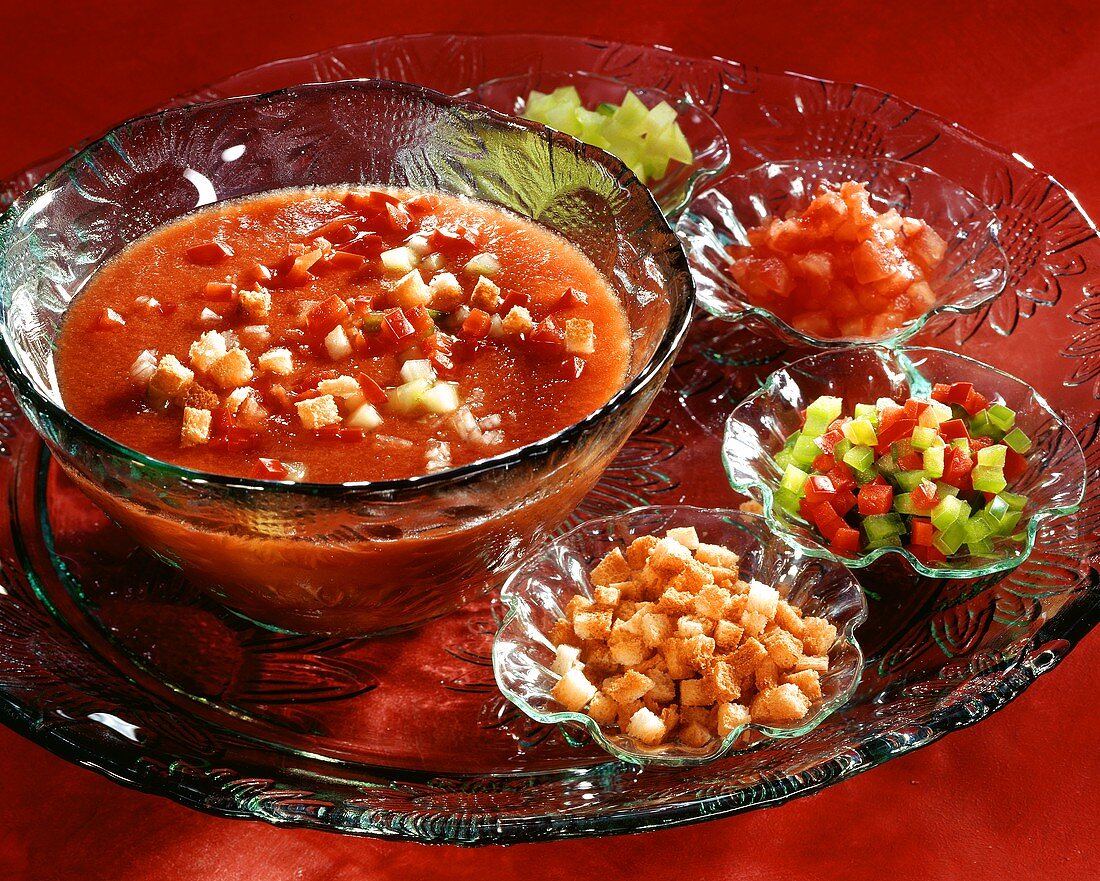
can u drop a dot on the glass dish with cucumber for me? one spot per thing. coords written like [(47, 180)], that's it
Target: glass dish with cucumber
[(921, 452)]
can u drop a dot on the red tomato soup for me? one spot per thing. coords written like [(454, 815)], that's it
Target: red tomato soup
[(341, 335)]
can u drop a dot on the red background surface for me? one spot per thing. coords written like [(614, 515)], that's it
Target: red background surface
[(1011, 798)]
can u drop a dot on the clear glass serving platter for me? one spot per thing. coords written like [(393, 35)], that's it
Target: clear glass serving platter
[(110, 660)]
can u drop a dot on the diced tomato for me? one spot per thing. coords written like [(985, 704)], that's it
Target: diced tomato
[(547, 341), (920, 532), (109, 319), (270, 469), (819, 489), (828, 441), (875, 499), (373, 202), (912, 461), (421, 321), (372, 391), (775, 276), (341, 260), (826, 519), (897, 429), (450, 241), (924, 496), (845, 540), (239, 439), (399, 218), (335, 229), (572, 297), (514, 298), (477, 324), (366, 244), (975, 402), (926, 553), (396, 328), (1015, 465), (421, 204), (824, 462), (218, 291), (843, 501), (209, 253), (957, 466), (842, 477), (980, 442), (220, 423), (324, 316), (952, 429), (351, 435)]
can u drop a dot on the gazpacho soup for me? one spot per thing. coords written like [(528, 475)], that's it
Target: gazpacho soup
[(334, 335)]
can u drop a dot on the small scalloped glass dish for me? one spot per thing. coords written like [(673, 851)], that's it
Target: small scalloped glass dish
[(709, 146), (974, 269), (536, 593), (756, 430)]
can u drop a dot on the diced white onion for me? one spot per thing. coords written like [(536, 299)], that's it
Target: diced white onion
[(483, 264), (417, 369), (441, 398), (365, 416), (418, 244), (143, 368), (438, 457), (337, 344), (400, 260), (406, 397)]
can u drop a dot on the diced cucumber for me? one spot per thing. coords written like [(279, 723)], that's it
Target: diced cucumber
[(794, 479), (1019, 441), (988, 479), (1015, 501), (859, 458), (909, 480), (1001, 417), (868, 412), (933, 462), (993, 456), (861, 431), (948, 541)]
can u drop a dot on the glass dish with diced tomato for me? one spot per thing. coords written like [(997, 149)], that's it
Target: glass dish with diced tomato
[(839, 252), (341, 353), (921, 452)]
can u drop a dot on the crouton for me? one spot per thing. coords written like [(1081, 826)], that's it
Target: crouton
[(721, 684), (686, 535), (638, 552), (789, 619), (783, 703), (767, 675), (655, 629), (337, 343), (255, 304), (819, 663), (669, 556), (754, 623), (566, 657), (783, 649), (762, 599), (727, 635), (693, 578), (593, 624), (232, 369), (694, 693), (580, 336), (713, 601), (517, 321), (689, 626), (611, 569), (170, 380), (340, 387), (573, 690), (316, 413), (808, 682), (486, 295), (695, 735), (278, 361), (562, 633), (699, 651), (627, 649), (677, 658), (196, 427), (446, 292), (207, 350), (676, 602), (410, 291), (818, 636), (200, 398), (646, 727), (630, 686), (731, 716), (607, 595), (603, 709), (663, 689), (716, 555), (744, 660)]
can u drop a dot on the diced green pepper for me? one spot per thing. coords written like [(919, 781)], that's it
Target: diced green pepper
[(948, 541), (933, 462), (923, 438), (1015, 501), (868, 412), (794, 479), (988, 478), (1019, 441), (909, 480), (820, 413), (1001, 417), (903, 503), (993, 456), (860, 458)]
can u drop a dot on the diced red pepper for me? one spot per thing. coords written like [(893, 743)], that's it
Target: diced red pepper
[(270, 469), (421, 321), (373, 202), (956, 393), (843, 501), (911, 461), (218, 291), (828, 441), (400, 219), (819, 489), (396, 328), (845, 540), (366, 244), (421, 204), (920, 532), (338, 260), (896, 429), (209, 253), (324, 316), (926, 553), (953, 428), (572, 297), (842, 476), (372, 391), (514, 298), (924, 496), (940, 391), (957, 466), (450, 241), (875, 499), (975, 403), (826, 519), (914, 408), (1015, 465), (980, 442), (239, 439), (338, 228), (477, 324), (824, 462)]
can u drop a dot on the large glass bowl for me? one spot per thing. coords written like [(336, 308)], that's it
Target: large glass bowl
[(973, 271), (756, 430), (536, 593), (355, 558), (710, 148)]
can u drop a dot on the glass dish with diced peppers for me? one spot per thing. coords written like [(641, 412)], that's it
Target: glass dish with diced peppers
[(921, 452)]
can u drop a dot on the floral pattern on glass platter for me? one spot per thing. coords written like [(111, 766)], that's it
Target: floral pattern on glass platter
[(111, 660)]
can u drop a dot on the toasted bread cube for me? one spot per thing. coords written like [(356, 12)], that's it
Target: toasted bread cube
[(782, 648), (646, 727), (237, 397), (446, 292), (789, 618), (808, 682), (278, 361), (410, 291), (580, 336), (670, 715), (663, 689), (255, 304), (170, 380), (562, 633), (603, 709), (626, 609), (593, 624), (316, 413), (763, 599), (669, 557), (745, 658), (630, 686), (611, 569), (627, 649), (751, 507), (818, 636), (232, 369), (196, 427), (598, 661), (727, 635), (486, 295), (694, 578), (721, 683), (340, 387), (688, 626), (517, 321), (207, 350), (694, 693), (566, 658), (766, 675), (607, 595), (650, 584), (700, 652), (695, 735), (819, 663), (675, 603), (577, 603), (753, 623), (686, 535), (638, 552), (200, 398), (713, 601), (731, 716), (573, 690), (783, 703), (625, 711), (677, 658), (655, 629), (716, 555)]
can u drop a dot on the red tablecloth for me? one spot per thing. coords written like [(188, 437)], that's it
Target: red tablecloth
[(1008, 799)]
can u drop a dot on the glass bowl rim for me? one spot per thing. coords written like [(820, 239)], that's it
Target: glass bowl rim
[(695, 179), (514, 602), (866, 559), (902, 333), (679, 320)]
